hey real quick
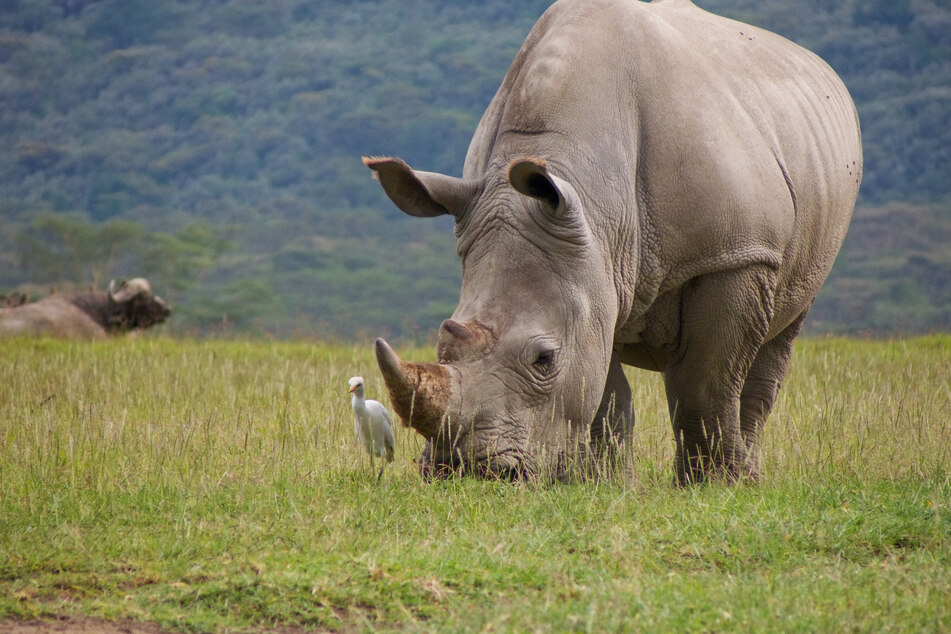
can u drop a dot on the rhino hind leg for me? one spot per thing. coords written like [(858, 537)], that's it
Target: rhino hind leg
[(724, 320), (760, 389)]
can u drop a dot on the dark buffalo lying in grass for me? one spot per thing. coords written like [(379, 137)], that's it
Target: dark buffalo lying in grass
[(129, 305)]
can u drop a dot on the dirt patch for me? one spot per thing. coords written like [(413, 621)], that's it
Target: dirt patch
[(78, 626), (83, 625)]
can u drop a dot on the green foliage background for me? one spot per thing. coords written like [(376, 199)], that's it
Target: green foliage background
[(214, 147)]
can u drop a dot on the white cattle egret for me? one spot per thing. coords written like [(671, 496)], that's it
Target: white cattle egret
[(372, 424)]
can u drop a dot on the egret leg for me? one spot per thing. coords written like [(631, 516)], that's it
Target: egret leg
[(372, 462)]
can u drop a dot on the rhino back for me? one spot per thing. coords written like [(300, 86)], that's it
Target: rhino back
[(776, 149), (697, 143)]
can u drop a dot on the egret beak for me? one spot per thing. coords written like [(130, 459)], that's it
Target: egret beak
[(352, 389)]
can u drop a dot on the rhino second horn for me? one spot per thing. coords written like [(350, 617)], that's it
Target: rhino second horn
[(452, 341), (419, 392), (456, 329), (460, 342)]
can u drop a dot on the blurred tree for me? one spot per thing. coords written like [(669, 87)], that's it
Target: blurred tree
[(125, 23), (177, 262), (896, 13), (67, 247)]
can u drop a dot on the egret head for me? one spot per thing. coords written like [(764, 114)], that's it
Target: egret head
[(356, 385)]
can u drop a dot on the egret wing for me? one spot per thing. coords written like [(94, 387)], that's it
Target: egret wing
[(383, 429)]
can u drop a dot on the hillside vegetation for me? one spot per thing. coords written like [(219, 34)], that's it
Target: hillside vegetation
[(214, 147)]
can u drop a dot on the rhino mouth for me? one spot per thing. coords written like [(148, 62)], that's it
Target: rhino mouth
[(513, 463), (460, 440), (491, 456), (508, 464)]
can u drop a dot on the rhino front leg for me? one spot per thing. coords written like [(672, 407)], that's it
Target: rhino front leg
[(724, 319), (437, 465), (612, 425), (761, 387)]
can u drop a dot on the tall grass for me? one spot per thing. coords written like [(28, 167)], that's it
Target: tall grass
[(216, 485)]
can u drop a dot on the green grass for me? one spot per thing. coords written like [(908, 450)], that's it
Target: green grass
[(209, 486)]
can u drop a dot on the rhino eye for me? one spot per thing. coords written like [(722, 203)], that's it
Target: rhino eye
[(540, 359), (545, 362)]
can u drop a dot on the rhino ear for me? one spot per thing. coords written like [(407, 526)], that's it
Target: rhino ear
[(423, 194), (530, 177)]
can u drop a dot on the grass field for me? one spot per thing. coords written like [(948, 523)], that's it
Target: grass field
[(215, 486)]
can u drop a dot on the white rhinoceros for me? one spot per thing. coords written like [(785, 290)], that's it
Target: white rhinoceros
[(652, 185)]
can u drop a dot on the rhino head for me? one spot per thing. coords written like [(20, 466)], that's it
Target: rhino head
[(521, 364)]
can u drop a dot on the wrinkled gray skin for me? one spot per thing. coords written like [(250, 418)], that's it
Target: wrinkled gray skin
[(130, 305), (652, 185)]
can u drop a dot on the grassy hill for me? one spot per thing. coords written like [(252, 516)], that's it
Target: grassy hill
[(893, 274)]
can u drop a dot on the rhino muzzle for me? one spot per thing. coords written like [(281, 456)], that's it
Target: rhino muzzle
[(428, 398), (420, 392)]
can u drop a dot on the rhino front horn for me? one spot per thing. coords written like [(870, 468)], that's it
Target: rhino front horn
[(419, 392)]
